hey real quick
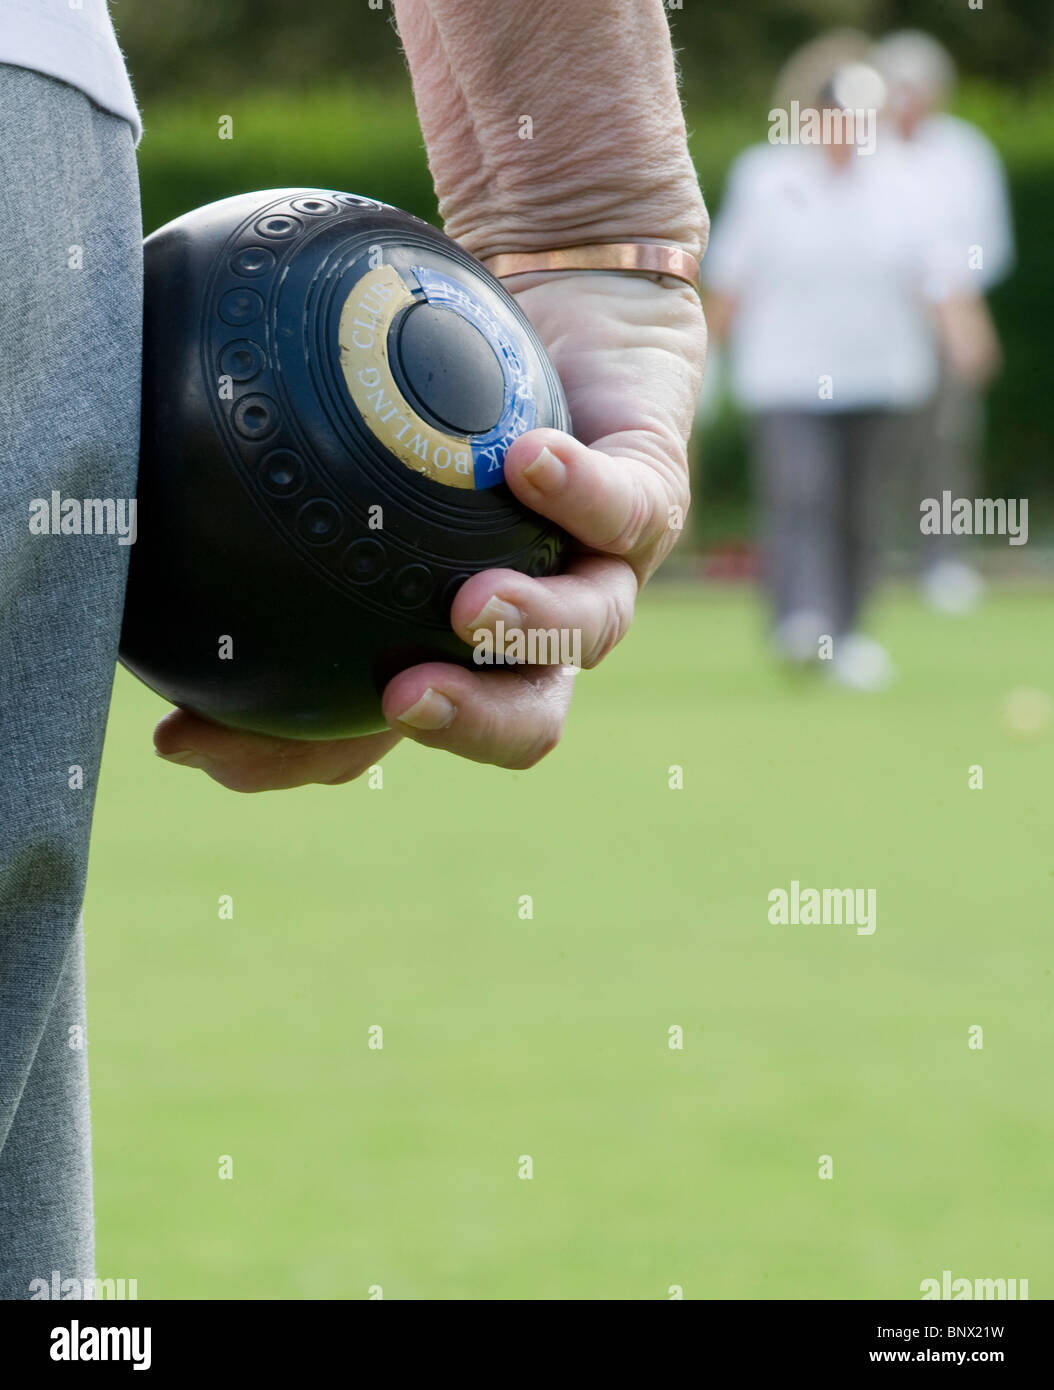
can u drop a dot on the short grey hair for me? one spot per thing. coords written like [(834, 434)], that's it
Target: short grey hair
[(807, 73), (910, 58)]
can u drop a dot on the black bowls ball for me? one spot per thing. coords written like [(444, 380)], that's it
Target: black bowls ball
[(329, 389)]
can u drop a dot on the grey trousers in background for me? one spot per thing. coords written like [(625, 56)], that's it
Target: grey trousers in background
[(819, 476), (70, 324), (949, 458)]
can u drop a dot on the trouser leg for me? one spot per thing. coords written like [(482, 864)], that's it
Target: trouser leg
[(70, 324), (799, 494)]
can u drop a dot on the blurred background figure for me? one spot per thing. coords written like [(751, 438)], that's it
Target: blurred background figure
[(823, 272), (961, 173)]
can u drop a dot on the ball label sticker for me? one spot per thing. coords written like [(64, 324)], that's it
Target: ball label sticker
[(363, 338), (457, 460), (521, 410)]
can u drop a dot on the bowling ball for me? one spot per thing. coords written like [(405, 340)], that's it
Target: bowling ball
[(329, 389)]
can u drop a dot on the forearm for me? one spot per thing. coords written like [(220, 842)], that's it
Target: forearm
[(607, 158)]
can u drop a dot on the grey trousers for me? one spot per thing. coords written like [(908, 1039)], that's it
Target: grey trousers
[(818, 481), (951, 429), (70, 323)]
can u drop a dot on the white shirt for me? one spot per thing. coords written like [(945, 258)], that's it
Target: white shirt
[(965, 174), (74, 41), (833, 270)]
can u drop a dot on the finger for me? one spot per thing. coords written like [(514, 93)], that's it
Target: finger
[(509, 718), (612, 501), (574, 618), (247, 762)]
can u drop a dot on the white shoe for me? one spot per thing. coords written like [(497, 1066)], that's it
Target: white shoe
[(952, 587), (797, 637), (861, 663)]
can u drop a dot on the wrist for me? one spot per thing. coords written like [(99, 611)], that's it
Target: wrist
[(552, 224), (621, 257), (552, 124)]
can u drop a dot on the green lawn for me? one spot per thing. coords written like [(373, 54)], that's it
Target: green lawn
[(502, 1037)]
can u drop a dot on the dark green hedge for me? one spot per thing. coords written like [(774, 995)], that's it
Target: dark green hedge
[(369, 142)]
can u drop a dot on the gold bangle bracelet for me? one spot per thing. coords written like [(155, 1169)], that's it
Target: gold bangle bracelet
[(642, 256)]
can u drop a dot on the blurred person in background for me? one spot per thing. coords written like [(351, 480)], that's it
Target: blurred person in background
[(961, 173), (823, 274)]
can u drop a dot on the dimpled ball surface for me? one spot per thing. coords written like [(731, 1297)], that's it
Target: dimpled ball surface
[(329, 389)]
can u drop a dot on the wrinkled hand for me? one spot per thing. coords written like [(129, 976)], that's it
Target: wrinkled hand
[(630, 355)]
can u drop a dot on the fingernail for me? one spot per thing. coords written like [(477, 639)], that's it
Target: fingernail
[(187, 758), (546, 473), (432, 711), (496, 609)]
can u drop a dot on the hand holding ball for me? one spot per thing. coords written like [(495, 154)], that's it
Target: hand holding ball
[(329, 389)]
